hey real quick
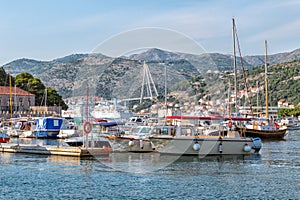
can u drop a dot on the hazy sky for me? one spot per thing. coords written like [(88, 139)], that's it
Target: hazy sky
[(48, 29)]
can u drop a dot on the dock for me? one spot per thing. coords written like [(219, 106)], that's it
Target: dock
[(52, 150)]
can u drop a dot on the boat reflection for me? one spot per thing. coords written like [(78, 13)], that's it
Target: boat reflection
[(150, 162)]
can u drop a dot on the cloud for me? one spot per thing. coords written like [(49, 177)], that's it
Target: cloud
[(285, 31)]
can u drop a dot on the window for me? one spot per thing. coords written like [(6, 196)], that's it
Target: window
[(164, 131), (55, 122)]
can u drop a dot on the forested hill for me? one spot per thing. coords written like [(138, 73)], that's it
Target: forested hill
[(284, 81)]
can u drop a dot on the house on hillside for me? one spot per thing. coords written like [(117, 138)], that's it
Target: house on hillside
[(288, 105), (21, 99), (280, 103)]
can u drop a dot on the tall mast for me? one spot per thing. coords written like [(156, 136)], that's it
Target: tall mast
[(87, 103), (257, 93), (234, 66), (166, 90), (229, 91), (266, 79), (46, 97), (243, 70), (10, 93)]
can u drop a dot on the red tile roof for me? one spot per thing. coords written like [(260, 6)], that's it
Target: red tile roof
[(15, 91)]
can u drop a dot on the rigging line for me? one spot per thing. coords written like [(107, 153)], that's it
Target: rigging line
[(244, 73)]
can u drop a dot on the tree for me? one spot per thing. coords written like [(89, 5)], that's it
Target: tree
[(4, 78), (53, 98), (35, 86)]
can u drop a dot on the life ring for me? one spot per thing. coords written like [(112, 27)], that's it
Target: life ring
[(87, 127)]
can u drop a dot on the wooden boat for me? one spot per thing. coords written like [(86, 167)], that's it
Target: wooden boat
[(264, 127), (263, 131)]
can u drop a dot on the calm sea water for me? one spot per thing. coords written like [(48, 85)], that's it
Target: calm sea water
[(274, 174)]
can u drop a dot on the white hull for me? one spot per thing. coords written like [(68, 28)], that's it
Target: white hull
[(94, 142), (207, 145), (67, 133), (130, 144), (105, 114)]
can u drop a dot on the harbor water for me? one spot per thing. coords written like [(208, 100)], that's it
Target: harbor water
[(272, 174)]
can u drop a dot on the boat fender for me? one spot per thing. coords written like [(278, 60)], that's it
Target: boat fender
[(220, 147), (247, 148), (196, 146), (131, 143), (256, 144), (141, 144)]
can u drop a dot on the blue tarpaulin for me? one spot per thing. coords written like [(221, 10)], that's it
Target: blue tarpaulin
[(107, 124)]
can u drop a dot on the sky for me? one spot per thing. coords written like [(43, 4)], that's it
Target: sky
[(50, 29)]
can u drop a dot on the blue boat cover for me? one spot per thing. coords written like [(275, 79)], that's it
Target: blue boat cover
[(48, 124), (107, 124)]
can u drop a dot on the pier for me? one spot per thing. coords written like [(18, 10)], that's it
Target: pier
[(52, 150)]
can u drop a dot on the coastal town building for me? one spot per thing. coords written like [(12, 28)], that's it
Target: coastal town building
[(21, 100)]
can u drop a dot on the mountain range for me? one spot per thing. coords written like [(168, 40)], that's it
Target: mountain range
[(123, 77)]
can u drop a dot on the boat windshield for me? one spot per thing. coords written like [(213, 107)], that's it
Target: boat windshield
[(142, 130), (161, 130)]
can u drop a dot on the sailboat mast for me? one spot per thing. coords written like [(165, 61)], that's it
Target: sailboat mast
[(266, 79), (166, 90), (243, 69), (46, 97), (234, 65), (87, 102), (229, 91), (10, 93)]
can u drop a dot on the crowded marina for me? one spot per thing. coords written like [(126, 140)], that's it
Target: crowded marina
[(196, 135)]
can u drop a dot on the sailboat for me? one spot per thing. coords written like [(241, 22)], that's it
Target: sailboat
[(4, 137), (264, 128)]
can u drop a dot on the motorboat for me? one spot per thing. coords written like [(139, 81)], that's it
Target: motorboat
[(47, 127), (184, 139), (291, 123), (4, 137), (137, 140), (88, 141)]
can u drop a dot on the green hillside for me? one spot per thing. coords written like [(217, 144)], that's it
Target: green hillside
[(284, 81)]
